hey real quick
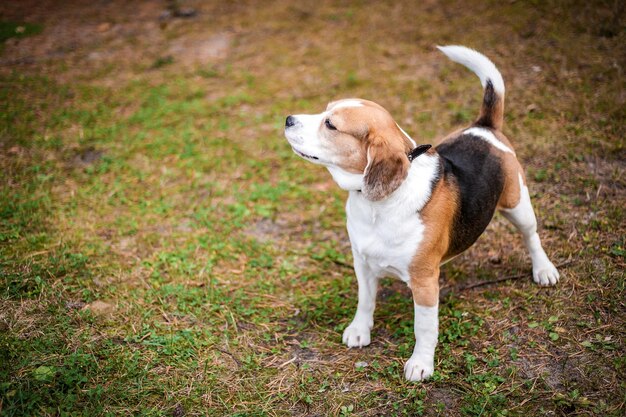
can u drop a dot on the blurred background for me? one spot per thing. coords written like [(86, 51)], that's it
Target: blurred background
[(163, 251)]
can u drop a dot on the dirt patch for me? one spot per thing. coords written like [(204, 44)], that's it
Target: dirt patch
[(25, 318), (266, 230), (115, 37), (557, 373), (445, 396), (202, 51), (87, 157), (392, 287)]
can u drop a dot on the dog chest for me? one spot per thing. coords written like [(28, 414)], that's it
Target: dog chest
[(386, 241)]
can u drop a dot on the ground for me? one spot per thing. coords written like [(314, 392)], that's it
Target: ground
[(163, 252)]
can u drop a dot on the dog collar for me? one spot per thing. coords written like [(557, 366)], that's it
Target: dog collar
[(417, 151)]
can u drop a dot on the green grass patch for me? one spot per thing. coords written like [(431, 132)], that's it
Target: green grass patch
[(18, 30)]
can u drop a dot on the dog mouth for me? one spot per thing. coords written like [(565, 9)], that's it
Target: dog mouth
[(302, 154)]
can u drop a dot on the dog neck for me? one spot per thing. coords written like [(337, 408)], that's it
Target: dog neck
[(414, 192), (346, 180), (354, 182)]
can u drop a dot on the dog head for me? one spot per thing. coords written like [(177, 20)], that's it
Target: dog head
[(358, 141)]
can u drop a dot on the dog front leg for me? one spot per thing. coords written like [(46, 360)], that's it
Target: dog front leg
[(357, 334), (421, 365)]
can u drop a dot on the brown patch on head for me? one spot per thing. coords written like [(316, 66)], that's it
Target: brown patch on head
[(437, 216), (350, 136), (370, 142)]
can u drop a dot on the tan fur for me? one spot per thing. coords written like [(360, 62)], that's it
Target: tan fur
[(437, 217), (369, 141), (494, 113), (511, 169), (353, 152), (387, 168)]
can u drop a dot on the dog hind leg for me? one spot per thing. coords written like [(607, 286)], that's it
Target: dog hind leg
[(523, 218)]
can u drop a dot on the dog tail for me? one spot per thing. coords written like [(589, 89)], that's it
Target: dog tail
[(492, 110)]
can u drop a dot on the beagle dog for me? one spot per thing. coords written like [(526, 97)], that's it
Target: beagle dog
[(412, 208)]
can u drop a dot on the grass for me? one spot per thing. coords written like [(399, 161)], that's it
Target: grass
[(18, 30), (163, 252)]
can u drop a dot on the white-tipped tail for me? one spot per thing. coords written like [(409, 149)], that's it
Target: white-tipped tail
[(478, 63)]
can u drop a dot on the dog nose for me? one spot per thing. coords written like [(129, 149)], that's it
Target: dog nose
[(290, 121)]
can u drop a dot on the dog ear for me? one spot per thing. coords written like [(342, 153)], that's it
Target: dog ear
[(386, 169)]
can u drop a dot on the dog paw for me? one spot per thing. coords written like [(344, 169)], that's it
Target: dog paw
[(356, 336), (545, 274), (418, 368)]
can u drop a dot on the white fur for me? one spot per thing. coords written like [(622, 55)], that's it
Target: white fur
[(407, 135), (357, 334), (346, 180), (523, 217), (478, 63), (351, 102), (304, 140), (385, 234), (421, 365), (487, 135)]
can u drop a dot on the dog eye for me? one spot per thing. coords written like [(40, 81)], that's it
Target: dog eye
[(329, 125)]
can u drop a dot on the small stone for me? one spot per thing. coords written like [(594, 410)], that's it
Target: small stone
[(74, 305), (179, 411), (103, 27), (361, 364), (495, 259), (185, 13), (531, 108), (165, 15)]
